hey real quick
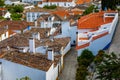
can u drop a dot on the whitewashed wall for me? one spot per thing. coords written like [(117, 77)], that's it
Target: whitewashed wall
[(61, 4), (32, 16), (73, 35), (12, 71), (4, 36), (52, 73), (67, 48)]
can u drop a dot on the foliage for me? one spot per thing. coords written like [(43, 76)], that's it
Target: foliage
[(24, 78), (18, 9), (1, 17), (86, 56), (109, 4), (84, 61), (99, 57), (16, 16), (89, 10), (50, 7), (81, 73), (109, 69), (15, 8), (2, 3)]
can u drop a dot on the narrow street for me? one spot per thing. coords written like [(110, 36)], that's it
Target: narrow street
[(115, 45), (70, 65)]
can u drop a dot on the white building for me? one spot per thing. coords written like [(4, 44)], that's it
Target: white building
[(15, 65), (39, 57), (61, 3), (65, 27), (96, 30), (34, 14), (3, 33)]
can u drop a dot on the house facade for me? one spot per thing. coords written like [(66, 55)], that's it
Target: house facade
[(96, 35)]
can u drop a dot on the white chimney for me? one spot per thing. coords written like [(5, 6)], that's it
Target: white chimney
[(50, 54), (36, 35), (32, 45), (35, 23)]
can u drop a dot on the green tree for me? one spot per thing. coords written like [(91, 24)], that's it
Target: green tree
[(18, 9), (2, 3), (109, 69), (81, 73), (89, 10), (109, 4), (99, 57), (24, 78), (16, 16), (86, 56)]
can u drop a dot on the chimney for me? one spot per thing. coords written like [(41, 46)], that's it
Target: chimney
[(36, 35), (35, 23), (50, 54), (32, 45)]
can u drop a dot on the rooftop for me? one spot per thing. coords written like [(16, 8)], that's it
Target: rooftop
[(37, 60), (82, 1), (93, 21), (14, 25)]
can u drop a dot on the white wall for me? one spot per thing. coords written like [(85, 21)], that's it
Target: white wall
[(32, 16), (12, 71), (67, 48), (66, 28), (61, 4), (4, 36), (73, 35)]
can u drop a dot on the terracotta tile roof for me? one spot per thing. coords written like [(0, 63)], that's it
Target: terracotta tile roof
[(44, 17), (18, 40), (37, 60), (82, 1), (2, 9), (14, 25), (22, 40), (56, 43), (61, 13), (99, 36), (42, 32), (93, 21), (82, 46)]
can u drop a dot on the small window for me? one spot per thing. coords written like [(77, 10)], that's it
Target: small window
[(64, 4)]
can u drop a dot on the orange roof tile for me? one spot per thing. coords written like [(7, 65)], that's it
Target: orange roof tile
[(82, 1), (61, 13), (82, 46), (99, 36), (2, 9), (93, 21), (57, 0)]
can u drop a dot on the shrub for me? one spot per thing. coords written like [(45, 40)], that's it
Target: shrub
[(50, 7)]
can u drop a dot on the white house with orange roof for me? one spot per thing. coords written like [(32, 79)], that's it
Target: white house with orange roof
[(96, 30)]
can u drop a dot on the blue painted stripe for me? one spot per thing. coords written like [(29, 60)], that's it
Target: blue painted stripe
[(107, 46)]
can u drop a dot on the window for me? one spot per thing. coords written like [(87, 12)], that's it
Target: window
[(28, 14), (33, 15), (64, 4)]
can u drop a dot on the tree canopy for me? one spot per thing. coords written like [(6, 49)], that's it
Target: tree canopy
[(109, 69), (109, 4), (2, 3)]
